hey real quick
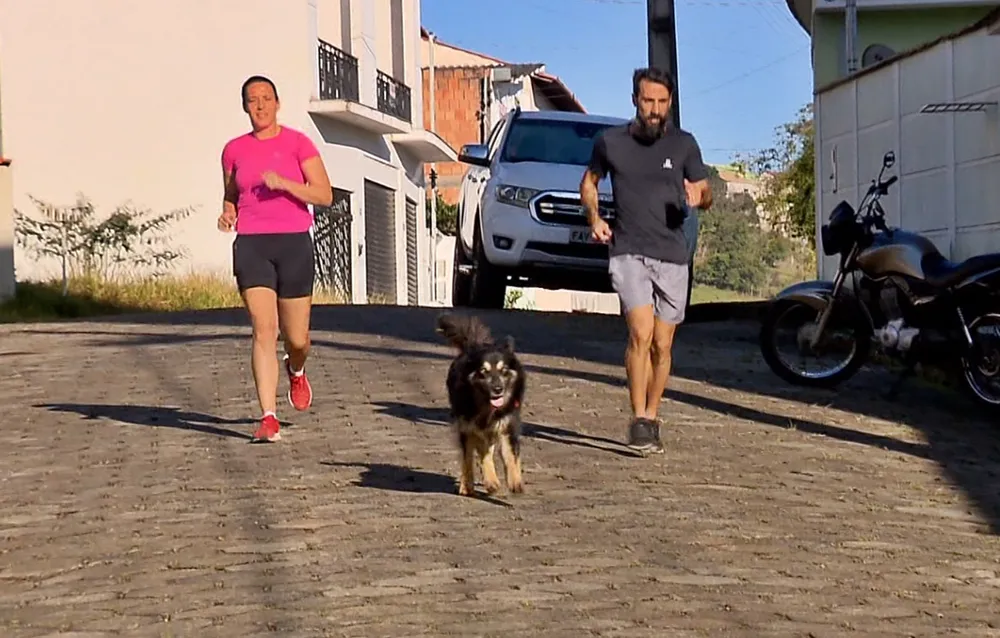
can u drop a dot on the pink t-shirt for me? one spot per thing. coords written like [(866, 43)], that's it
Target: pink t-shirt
[(260, 209)]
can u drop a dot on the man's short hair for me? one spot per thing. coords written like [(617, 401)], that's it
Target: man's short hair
[(652, 74)]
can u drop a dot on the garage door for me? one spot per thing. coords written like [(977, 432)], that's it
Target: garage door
[(412, 290), (380, 243)]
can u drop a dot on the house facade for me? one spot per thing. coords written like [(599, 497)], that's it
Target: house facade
[(472, 92), (739, 182), (936, 108), (885, 27), (133, 102)]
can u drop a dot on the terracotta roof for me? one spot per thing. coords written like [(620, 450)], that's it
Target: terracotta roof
[(425, 34), (549, 85)]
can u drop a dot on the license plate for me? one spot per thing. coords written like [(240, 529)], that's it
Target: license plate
[(581, 237)]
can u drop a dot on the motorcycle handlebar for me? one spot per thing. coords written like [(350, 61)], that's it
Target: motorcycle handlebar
[(889, 182)]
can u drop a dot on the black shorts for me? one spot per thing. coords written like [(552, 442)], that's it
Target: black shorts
[(282, 262)]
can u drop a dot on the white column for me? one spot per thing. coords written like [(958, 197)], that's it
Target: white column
[(363, 48), (312, 46), (412, 47)]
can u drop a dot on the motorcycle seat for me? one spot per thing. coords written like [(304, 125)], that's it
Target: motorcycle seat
[(942, 273)]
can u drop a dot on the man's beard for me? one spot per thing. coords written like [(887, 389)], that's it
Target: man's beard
[(646, 131)]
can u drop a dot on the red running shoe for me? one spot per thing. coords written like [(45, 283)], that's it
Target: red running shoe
[(268, 430), (300, 393)]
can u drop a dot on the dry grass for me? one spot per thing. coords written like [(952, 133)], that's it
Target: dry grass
[(94, 296), (701, 293)]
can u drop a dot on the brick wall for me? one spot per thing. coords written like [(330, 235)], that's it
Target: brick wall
[(456, 102)]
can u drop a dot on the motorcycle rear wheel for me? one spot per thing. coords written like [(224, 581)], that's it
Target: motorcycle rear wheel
[(860, 336), (987, 363)]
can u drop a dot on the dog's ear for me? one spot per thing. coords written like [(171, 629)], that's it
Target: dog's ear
[(507, 344)]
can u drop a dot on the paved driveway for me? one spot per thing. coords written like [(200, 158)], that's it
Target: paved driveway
[(132, 504)]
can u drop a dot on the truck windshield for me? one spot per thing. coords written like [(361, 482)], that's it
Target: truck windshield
[(551, 141)]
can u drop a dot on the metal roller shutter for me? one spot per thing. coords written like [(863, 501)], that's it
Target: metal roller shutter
[(380, 243)]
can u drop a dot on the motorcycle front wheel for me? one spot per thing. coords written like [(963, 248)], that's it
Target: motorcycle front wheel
[(792, 323)]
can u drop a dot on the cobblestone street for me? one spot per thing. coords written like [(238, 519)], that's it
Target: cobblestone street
[(134, 506)]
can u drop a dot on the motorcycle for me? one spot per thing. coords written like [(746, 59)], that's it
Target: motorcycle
[(893, 289)]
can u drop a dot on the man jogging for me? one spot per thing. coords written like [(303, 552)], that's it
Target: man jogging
[(655, 168)]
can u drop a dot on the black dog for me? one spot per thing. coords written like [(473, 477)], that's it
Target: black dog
[(486, 384)]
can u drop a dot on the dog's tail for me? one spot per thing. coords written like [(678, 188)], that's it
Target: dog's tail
[(463, 331)]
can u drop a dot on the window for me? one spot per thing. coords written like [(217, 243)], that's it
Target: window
[(551, 141)]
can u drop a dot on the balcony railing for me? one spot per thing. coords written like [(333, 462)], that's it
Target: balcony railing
[(338, 74), (393, 98)]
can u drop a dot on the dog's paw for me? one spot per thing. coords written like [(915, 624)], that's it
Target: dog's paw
[(465, 489), (491, 487), (516, 487)]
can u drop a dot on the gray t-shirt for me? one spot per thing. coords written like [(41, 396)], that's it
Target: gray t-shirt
[(648, 183)]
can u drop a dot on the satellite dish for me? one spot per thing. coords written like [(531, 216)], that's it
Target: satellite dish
[(876, 53)]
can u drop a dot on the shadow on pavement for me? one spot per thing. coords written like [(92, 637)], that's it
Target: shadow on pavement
[(439, 416), (958, 437), (154, 416), (396, 478)]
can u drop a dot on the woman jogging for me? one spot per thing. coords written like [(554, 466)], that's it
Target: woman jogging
[(270, 175)]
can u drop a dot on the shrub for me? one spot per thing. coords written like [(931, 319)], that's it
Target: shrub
[(127, 241), (447, 216)]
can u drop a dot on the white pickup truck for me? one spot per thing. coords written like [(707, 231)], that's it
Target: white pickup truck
[(520, 222)]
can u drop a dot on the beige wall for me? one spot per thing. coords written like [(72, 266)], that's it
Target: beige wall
[(123, 100), (383, 46), (334, 23), (947, 163)]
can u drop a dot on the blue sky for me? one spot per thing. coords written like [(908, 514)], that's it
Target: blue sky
[(744, 64)]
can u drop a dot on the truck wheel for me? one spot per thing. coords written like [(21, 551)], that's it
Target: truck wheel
[(489, 284), (461, 283)]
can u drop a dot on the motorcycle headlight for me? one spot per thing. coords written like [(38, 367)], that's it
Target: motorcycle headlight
[(515, 195)]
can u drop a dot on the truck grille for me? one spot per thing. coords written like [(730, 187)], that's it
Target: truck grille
[(566, 210)]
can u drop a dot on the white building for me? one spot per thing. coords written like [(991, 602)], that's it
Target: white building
[(936, 107), (133, 101)]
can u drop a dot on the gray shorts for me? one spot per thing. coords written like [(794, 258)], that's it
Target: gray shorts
[(643, 281)]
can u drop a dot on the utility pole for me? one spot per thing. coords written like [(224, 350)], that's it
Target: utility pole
[(434, 191), (851, 35), (662, 42), (661, 32)]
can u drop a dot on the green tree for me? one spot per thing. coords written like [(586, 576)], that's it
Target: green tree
[(447, 216), (789, 177), (734, 252)]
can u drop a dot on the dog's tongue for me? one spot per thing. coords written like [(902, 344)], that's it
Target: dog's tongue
[(497, 402)]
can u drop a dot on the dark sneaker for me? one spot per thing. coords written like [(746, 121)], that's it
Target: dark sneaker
[(657, 444), (642, 435), (269, 429)]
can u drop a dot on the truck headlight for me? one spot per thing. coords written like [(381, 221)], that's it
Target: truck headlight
[(515, 195)]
